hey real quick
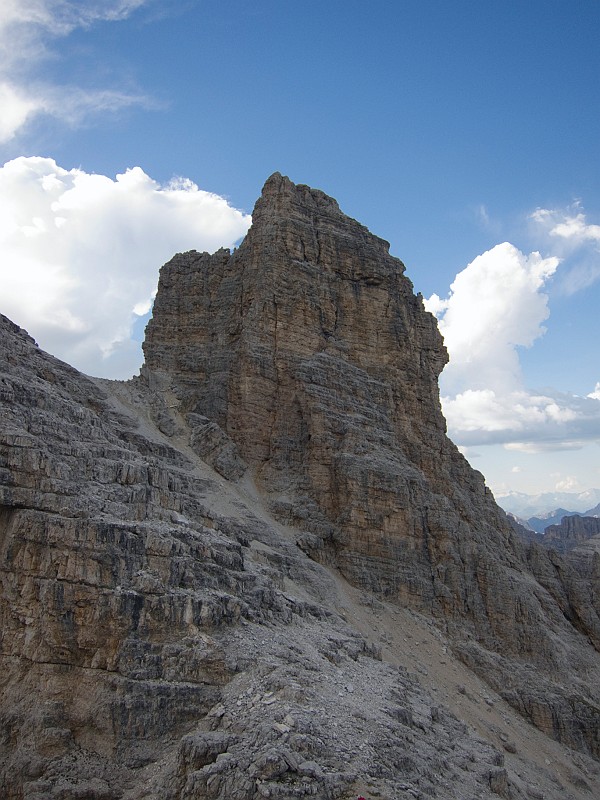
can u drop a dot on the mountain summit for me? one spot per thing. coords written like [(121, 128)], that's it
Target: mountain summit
[(219, 578)]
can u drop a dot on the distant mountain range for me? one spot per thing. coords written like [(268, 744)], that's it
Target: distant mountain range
[(549, 504)]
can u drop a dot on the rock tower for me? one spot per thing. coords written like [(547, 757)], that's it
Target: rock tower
[(222, 578)]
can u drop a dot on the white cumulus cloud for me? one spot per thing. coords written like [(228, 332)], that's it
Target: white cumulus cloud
[(496, 305), (569, 484), (80, 253), (571, 224)]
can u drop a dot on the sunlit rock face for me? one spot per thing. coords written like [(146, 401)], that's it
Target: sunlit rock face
[(309, 349), (218, 579)]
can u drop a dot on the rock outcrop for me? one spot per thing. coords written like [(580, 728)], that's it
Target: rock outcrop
[(572, 531), (539, 524), (262, 569), (309, 349)]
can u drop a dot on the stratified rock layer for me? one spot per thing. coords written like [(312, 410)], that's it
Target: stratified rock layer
[(572, 531), (309, 349), (163, 638), (174, 554)]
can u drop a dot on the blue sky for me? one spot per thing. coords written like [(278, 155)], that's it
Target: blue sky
[(464, 133)]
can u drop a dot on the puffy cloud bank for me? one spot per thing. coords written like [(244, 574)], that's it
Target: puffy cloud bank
[(496, 305), (80, 254), (27, 27)]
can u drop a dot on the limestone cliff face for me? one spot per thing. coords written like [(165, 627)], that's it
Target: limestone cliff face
[(572, 531), (309, 349), (218, 579), (162, 638), (309, 293)]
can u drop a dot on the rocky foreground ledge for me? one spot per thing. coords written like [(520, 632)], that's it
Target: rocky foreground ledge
[(261, 569)]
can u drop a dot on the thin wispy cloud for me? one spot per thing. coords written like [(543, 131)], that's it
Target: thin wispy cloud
[(29, 33), (571, 224), (80, 254), (568, 232), (595, 395), (496, 305)]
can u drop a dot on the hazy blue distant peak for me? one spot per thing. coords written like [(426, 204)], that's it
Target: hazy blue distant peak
[(541, 522), (549, 503)]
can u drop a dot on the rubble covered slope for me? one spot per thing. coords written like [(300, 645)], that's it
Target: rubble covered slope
[(261, 569)]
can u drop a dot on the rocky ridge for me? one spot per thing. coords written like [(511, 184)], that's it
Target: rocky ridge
[(261, 569), (571, 532)]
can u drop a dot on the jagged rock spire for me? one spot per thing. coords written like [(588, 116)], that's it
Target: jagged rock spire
[(162, 632)]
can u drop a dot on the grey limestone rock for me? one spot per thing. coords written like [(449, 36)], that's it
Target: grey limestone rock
[(261, 569), (572, 531), (309, 349)]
